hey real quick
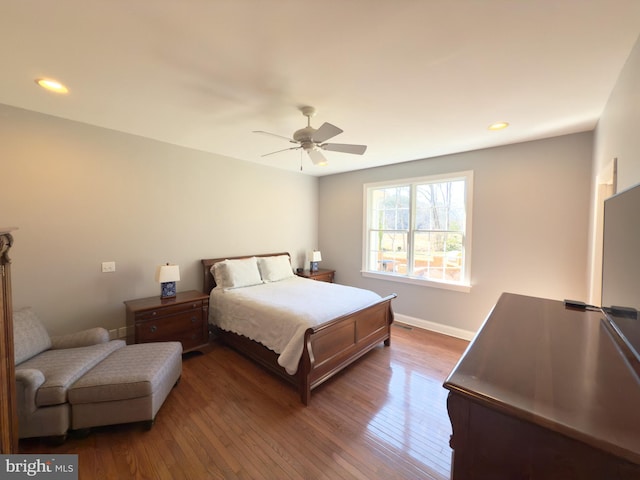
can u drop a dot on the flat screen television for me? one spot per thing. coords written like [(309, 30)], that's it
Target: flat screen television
[(621, 267)]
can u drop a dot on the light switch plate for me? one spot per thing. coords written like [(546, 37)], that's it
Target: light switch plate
[(108, 267)]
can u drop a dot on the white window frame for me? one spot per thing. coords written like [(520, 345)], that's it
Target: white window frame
[(464, 285)]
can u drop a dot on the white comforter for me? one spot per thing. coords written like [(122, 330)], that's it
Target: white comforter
[(277, 314)]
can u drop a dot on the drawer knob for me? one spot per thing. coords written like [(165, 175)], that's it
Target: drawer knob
[(154, 329), (153, 314), (194, 319)]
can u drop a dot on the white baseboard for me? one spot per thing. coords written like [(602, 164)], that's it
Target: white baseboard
[(434, 327)]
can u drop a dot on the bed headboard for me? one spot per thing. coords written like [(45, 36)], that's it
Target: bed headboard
[(209, 282)]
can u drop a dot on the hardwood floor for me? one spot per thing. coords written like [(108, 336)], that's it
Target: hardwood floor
[(230, 419)]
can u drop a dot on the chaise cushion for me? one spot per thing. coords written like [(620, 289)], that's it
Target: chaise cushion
[(62, 368), (134, 371), (30, 337)]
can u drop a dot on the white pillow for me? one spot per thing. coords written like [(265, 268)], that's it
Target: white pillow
[(237, 273), (273, 269)]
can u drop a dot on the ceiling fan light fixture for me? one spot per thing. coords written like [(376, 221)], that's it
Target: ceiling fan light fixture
[(52, 85), (316, 157), (498, 126)]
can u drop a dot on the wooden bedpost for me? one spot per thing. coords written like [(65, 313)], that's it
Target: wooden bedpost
[(305, 366), (387, 342)]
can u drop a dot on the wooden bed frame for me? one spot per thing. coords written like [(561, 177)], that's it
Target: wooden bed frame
[(328, 348)]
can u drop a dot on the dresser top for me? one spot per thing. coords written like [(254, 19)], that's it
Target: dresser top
[(556, 367)]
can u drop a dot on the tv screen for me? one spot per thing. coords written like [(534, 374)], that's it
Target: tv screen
[(621, 250), (621, 271)]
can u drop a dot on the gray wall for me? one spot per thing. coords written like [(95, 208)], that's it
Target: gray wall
[(618, 132), (81, 195), (530, 229), (617, 135)]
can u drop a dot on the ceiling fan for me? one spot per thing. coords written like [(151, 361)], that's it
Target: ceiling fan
[(313, 140)]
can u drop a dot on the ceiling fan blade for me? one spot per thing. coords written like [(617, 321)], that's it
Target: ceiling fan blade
[(316, 157), (344, 148), (325, 132), (278, 151), (275, 135)]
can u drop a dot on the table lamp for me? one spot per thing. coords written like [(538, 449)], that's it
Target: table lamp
[(167, 275), (316, 257)]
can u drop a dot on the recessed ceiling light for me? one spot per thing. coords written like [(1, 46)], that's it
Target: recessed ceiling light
[(52, 85), (498, 126)]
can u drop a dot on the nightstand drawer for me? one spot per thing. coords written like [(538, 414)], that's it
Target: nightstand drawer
[(321, 275), (324, 277), (187, 325), (166, 311)]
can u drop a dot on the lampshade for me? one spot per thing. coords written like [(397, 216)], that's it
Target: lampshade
[(168, 273)]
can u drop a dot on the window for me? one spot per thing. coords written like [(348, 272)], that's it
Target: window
[(419, 230)]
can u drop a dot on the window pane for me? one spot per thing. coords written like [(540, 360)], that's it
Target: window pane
[(388, 251), (438, 256), (440, 206), (391, 208)]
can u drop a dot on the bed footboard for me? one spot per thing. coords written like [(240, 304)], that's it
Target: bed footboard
[(330, 347)]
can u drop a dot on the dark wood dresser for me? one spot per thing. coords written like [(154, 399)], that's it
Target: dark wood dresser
[(544, 392), (183, 318)]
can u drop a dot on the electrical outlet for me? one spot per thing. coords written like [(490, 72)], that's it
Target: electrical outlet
[(108, 267)]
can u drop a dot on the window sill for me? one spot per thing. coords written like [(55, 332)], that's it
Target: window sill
[(458, 287)]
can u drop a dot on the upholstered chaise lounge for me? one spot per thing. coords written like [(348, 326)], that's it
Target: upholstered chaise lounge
[(111, 382)]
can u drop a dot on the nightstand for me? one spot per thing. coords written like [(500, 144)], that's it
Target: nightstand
[(322, 275), (183, 318)]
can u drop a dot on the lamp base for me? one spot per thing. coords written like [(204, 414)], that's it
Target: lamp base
[(314, 266), (168, 290)]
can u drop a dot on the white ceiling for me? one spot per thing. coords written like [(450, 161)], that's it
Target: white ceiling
[(409, 78)]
